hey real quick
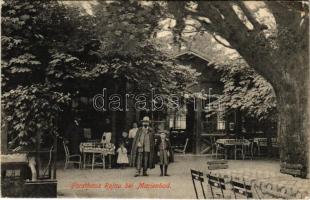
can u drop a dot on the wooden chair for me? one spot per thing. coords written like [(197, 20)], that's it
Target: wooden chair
[(248, 149), (74, 158), (97, 163), (261, 142), (239, 150), (242, 188), (221, 149), (182, 149), (216, 182), (198, 176), (244, 148)]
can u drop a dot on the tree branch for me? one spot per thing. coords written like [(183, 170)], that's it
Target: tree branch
[(284, 15), (231, 18), (217, 22), (257, 26), (253, 46), (220, 42), (225, 22)]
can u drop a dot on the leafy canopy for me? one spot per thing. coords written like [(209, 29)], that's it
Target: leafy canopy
[(50, 47)]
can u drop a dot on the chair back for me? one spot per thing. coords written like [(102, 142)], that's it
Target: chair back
[(198, 176), (185, 146), (274, 142), (262, 142), (242, 188), (66, 149), (216, 181)]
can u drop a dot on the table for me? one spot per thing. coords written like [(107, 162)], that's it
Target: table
[(227, 143), (210, 140), (93, 148), (262, 142)]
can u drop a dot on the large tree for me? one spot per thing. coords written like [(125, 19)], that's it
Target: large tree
[(244, 89), (127, 52), (39, 60), (49, 48), (279, 54)]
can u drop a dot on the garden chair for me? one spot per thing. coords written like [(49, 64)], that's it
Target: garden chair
[(220, 151), (262, 143), (182, 149), (244, 149), (198, 176), (216, 182), (239, 150), (98, 163), (74, 158), (242, 188)]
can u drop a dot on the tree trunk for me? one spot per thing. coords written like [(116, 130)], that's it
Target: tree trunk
[(293, 119), (293, 135), (286, 68), (288, 73)]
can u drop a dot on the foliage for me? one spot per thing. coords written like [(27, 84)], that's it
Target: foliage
[(282, 59), (127, 53), (247, 91), (162, 74), (29, 109), (244, 88), (260, 46), (125, 28), (50, 47), (39, 58)]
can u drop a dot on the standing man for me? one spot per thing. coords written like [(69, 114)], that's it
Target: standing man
[(133, 131), (74, 136), (132, 135), (142, 152)]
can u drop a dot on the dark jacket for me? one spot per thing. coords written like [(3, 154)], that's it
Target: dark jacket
[(134, 149), (127, 143), (74, 135), (171, 156)]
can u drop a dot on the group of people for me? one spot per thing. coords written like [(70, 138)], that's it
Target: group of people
[(145, 149), (139, 148)]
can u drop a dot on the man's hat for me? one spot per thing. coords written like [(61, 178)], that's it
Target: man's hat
[(146, 119)]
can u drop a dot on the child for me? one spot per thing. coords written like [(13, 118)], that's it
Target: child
[(164, 152), (126, 141), (122, 158)]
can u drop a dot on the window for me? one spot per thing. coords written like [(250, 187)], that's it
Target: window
[(12, 173), (221, 124), (180, 122), (177, 119)]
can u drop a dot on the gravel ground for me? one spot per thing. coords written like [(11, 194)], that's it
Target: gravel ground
[(120, 183)]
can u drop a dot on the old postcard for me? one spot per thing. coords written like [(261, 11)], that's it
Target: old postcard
[(155, 99)]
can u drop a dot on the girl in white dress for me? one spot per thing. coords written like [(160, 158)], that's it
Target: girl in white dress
[(122, 158)]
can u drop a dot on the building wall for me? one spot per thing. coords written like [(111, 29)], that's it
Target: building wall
[(208, 83)]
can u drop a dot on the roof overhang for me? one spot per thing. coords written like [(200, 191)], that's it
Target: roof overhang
[(196, 54)]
